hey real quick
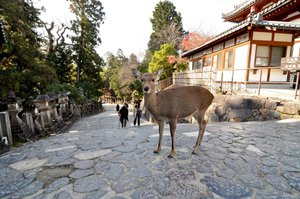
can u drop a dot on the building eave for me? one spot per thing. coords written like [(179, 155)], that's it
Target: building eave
[(240, 9), (255, 20), (279, 25), (228, 32)]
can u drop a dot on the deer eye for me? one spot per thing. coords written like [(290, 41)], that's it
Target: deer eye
[(142, 80), (153, 80)]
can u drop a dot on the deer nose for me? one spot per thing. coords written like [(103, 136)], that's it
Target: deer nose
[(146, 88)]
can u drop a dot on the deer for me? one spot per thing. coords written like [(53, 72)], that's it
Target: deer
[(173, 103)]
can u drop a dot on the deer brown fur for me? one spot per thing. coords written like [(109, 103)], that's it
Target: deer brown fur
[(174, 103)]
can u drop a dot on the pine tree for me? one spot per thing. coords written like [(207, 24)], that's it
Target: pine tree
[(22, 64), (89, 16), (166, 25)]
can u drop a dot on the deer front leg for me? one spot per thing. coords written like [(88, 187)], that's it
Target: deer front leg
[(172, 124), (160, 130), (202, 125)]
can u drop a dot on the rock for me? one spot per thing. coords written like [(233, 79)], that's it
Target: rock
[(28, 164), (253, 103), (242, 114), (291, 108), (57, 184), (226, 188), (236, 102), (126, 183), (271, 104), (88, 155), (279, 183), (88, 184)]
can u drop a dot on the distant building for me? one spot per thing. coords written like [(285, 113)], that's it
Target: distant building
[(251, 50)]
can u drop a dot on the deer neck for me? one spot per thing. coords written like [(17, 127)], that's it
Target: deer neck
[(150, 103)]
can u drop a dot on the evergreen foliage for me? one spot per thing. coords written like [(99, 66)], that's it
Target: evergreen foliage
[(85, 28), (165, 17), (22, 65), (160, 61), (31, 64)]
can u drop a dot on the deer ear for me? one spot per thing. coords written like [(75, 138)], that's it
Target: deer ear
[(158, 73), (137, 74)]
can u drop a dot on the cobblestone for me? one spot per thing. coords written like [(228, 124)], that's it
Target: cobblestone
[(96, 159)]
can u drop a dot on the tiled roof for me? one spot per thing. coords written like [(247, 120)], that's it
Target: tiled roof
[(279, 24), (221, 35), (275, 6), (243, 9), (240, 8), (272, 24)]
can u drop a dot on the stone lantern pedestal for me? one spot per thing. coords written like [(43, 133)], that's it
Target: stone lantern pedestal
[(14, 106), (63, 103), (42, 102), (53, 103), (29, 116), (5, 128)]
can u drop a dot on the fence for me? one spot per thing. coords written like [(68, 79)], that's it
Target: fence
[(251, 80), (162, 84)]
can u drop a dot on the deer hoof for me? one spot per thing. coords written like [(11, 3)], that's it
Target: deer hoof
[(170, 156), (156, 151)]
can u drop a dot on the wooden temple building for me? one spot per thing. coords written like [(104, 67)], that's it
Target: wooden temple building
[(265, 33)]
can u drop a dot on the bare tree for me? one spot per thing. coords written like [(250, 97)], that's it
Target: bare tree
[(170, 34)]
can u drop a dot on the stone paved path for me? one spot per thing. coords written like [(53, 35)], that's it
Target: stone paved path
[(95, 159)]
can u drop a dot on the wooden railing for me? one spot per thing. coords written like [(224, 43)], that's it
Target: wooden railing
[(162, 84), (233, 80)]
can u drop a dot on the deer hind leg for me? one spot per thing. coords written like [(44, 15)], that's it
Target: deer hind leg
[(172, 124), (160, 130), (202, 124)]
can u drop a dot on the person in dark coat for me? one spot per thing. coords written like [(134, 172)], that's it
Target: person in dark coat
[(123, 113), (117, 108), (138, 114)]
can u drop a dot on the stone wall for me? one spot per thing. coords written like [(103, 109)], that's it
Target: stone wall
[(246, 108)]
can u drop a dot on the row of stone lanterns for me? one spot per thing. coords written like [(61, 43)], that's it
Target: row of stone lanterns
[(42, 114)]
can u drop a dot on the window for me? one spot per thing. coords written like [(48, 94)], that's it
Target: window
[(228, 59), (277, 53), (242, 38), (197, 64), (269, 55), (262, 56), (207, 61), (219, 62), (229, 43)]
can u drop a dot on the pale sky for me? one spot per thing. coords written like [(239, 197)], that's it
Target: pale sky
[(127, 23)]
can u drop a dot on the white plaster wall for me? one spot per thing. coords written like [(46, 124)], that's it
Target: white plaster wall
[(296, 49), (283, 37), (277, 75), (227, 75), (240, 63), (262, 36), (255, 77), (190, 65), (252, 58)]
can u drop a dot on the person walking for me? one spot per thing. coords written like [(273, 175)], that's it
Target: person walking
[(123, 113), (138, 114)]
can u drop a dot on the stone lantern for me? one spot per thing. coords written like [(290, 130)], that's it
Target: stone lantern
[(53, 103), (42, 102), (29, 116), (14, 106), (63, 103)]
